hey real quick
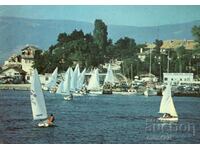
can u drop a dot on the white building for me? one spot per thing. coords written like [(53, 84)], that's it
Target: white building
[(176, 78), (13, 72), (23, 61), (27, 60)]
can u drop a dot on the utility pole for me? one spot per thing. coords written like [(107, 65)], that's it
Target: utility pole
[(168, 62)]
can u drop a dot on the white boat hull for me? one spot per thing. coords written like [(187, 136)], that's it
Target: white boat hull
[(95, 93), (125, 93), (44, 124), (174, 119), (45, 88), (67, 98)]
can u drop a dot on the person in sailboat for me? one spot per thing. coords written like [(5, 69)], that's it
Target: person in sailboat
[(166, 115), (51, 119)]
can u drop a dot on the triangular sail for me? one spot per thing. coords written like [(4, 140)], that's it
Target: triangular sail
[(66, 85), (94, 81), (81, 79), (37, 98), (72, 88), (75, 76), (109, 76), (52, 80), (167, 104)]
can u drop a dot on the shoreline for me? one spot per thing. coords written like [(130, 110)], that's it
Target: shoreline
[(20, 87)]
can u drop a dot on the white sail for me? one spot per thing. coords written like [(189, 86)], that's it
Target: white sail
[(52, 80), (94, 81), (60, 88), (37, 98), (109, 76), (81, 79), (75, 76), (167, 104), (66, 85), (72, 88)]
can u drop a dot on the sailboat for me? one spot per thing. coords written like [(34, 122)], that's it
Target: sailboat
[(51, 83), (81, 80), (109, 81), (75, 76), (66, 85), (38, 105), (81, 89), (93, 85), (72, 87), (167, 106), (109, 76)]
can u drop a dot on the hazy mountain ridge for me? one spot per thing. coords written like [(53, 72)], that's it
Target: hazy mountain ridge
[(16, 32)]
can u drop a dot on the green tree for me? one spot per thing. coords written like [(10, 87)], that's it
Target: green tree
[(125, 47), (100, 34), (196, 34), (158, 44)]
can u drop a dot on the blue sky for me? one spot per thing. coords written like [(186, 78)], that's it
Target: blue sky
[(118, 15)]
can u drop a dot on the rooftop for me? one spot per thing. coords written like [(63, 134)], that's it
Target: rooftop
[(188, 44)]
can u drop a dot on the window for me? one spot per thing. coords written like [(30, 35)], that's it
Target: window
[(165, 79), (46, 78)]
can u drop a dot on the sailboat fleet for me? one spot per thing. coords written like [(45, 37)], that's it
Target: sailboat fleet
[(73, 83)]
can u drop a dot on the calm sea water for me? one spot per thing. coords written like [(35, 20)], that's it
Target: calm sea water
[(98, 119)]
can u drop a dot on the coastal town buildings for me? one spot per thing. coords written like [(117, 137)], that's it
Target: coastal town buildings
[(176, 78), (20, 66)]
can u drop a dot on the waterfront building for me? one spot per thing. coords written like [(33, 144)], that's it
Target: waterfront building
[(23, 61), (13, 73), (176, 78)]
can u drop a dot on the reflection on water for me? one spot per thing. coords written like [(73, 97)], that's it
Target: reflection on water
[(98, 119)]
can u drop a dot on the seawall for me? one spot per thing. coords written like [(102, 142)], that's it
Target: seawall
[(15, 87)]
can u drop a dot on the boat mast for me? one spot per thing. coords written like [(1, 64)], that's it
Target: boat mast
[(150, 61)]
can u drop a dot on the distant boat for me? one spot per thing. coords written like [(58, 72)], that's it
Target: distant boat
[(109, 81), (150, 92), (81, 89), (109, 76), (75, 77), (38, 106), (167, 106), (94, 86), (72, 86), (51, 83), (66, 86), (81, 79)]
